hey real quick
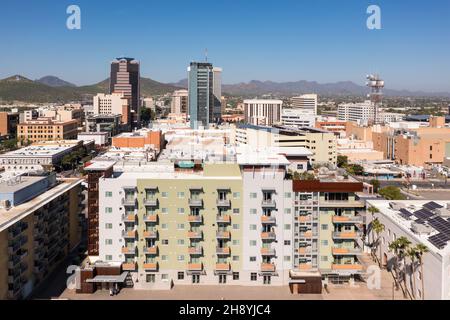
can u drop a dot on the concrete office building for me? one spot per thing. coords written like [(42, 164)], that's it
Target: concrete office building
[(306, 102), (262, 112), (39, 225), (112, 104), (297, 118), (421, 222), (125, 79), (47, 129), (204, 82), (180, 102), (363, 113)]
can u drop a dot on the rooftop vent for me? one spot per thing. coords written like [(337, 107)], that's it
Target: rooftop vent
[(421, 228)]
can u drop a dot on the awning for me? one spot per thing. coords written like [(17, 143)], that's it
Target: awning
[(109, 279), (297, 281)]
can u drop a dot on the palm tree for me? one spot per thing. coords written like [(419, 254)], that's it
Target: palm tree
[(400, 247), (421, 249), (412, 254), (378, 228)]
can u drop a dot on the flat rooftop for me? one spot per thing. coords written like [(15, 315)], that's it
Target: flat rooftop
[(15, 183), (38, 151)]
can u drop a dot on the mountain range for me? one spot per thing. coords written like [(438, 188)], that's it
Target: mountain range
[(54, 89)]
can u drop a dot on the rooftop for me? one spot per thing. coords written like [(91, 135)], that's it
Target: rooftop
[(38, 151)]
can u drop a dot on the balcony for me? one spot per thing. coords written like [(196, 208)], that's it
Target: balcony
[(129, 266), (306, 250), (223, 235), (304, 219), (129, 202), (268, 220), (348, 219), (195, 250), (346, 235), (223, 267), (151, 250), (129, 250), (131, 217), (151, 266), (150, 234), (347, 267), (129, 234), (224, 203), (195, 266), (342, 204), (268, 252), (224, 218), (223, 251), (267, 267), (195, 234), (305, 266), (195, 218), (308, 234), (346, 251), (150, 202), (268, 236), (153, 218), (195, 202), (269, 203)]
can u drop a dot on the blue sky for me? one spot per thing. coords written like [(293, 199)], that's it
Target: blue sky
[(320, 40)]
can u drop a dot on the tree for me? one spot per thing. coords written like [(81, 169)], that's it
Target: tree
[(378, 228), (421, 249), (375, 184), (342, 161), (400, 247), (391, 193)]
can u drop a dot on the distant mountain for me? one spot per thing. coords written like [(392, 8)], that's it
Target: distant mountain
[(53, 81), (342, 88), (20, 88)]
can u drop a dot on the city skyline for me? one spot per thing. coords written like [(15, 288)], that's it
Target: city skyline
[(316, 41)]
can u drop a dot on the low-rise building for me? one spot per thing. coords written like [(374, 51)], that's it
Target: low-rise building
[(47, 129)]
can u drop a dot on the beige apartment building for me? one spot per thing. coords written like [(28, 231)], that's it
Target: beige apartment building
[(39, 225), (47, 129)]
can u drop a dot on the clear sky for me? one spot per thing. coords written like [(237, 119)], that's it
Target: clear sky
[(320, 40)]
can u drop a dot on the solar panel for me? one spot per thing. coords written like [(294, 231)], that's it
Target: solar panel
[(441, 225), (419, 221), (439, 240), (405, 213), (432, 205), (423, 214)]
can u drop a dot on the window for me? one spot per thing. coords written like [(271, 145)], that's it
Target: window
[(287, 195), (195, 278), (164, 258), (253, 276), (165, 242), (287, 210), (235, 258), (222, 278), (287, 227), (180, 195), (164, 210), (252, 243), (164, 194), (235, 242), (236, 211), (236, 226), (108, 257), (180, 226), (150, 278), (108, 226), (287, 242), (236, 195), (253, 195), (253, 227), (180, 210), (180, 258), (253, 211), (324, 242), (180, 275), (300, 167), (324, 227), (252, 259), (164, 226), (108, 194), (287, 258), (235, 275), (180, 242), (324, 258), (164, 277), (108, 242), (108, 210)]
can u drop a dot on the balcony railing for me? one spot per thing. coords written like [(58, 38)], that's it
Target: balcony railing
[(346, 235), (308, 234), (195, 234), (150, 234), (268, 236), (131, 202), (195, 266), (195, 250), (223, 203), (342, 203), (223, 234), (350, 267), (129, 266), (268, 251), (195, 202), (150, 202), (130, 217), (305, 266), (347, 219), (223, 251), (151, 250), (223, 267), (346, 251), (129, 234), (306, 250), (151, 218), (224, 218), (150, 266), (267, 267), (268, 220), (129, 249), (268, 203), (195, 218)]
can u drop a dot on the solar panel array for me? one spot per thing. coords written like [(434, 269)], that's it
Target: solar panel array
[(423, 214), (405, 213), (432, 205), (439, 240), (441, 225)]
